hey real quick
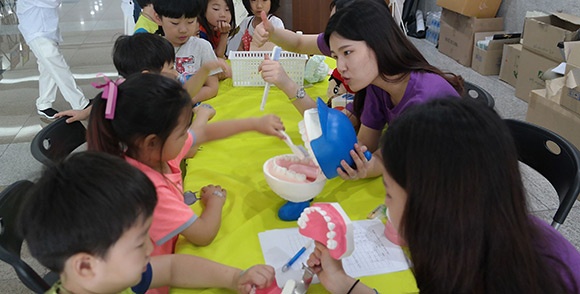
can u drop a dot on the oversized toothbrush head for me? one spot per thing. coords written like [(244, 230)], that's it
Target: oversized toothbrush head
[(330, 137), (328, 224)]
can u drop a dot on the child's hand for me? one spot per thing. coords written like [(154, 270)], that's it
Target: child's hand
[(274, 73), (260, 276), (223, 27), (212, 195), (220, 63), (75, 115), (270, 124), (263, 30), (204, 111)]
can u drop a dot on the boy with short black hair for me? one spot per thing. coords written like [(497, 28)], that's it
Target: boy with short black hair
[(178, 18), (88, 218)]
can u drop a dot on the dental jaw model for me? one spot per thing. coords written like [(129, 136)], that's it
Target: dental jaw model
[(328, 136), (328, 224)]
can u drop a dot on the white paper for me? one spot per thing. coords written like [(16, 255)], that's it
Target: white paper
[(560, 69), (374, 254)]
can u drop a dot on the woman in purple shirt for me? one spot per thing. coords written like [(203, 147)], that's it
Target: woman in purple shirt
[(461, 209), (378, 62)]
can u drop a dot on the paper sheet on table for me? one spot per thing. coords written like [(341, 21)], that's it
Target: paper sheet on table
[(373, 253)]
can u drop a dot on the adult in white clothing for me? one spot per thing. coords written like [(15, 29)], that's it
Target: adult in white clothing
[(38, 23)]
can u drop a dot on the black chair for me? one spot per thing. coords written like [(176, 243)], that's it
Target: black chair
[(57, 140), (476, 92), (11, 198), (559, 165)]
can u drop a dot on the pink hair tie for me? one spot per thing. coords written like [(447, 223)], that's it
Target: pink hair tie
[(109, 94)]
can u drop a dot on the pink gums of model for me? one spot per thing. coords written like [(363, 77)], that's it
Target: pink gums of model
[(328, 224)]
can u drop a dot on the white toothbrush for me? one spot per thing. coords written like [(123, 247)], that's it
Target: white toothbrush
[(275, 56), (297, 150)]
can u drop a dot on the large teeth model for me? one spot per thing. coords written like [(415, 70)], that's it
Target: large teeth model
[(328, 224), (291, 168)]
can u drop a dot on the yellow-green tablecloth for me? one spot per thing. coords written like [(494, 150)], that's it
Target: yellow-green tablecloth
[(236, 164)]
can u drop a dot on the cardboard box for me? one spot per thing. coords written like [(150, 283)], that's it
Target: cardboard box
[(508, 71), (553, 116), (570, 97), (542, 34), (457, 32), (475, 8), (572, 53), (488, 62), (530, 69)]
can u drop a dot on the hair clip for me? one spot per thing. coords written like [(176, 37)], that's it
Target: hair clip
[(109, 94)]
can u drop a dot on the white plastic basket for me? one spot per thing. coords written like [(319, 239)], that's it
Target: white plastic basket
[(245, 67)]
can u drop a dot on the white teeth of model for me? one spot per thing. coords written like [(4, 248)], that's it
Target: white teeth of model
[(323, 213), (316, 208), (330, 226), (331, 234), (304, 216), (302, 223), (289, 173), (331, 244), (327, 218)]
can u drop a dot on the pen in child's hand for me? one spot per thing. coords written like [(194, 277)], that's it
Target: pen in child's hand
[(292, 260)]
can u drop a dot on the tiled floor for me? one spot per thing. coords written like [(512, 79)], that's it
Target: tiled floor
[(89, 28)]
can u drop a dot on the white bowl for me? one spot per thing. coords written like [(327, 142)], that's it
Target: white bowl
[(292, 191)]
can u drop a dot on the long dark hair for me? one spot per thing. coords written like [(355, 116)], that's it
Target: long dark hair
[(202, 19), (465, 219), (371, 22), (146, 104)]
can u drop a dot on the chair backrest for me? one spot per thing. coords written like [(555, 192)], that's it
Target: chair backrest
[(476, 92), (559, 165), (11, 199), (57, 140)]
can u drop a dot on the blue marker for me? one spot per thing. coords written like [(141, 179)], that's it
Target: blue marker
[(292, 260)]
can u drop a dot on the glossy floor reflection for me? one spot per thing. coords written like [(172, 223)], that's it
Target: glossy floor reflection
[(89, 28)]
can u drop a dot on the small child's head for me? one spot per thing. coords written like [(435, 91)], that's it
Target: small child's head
[(144, 52), (88, 218), (255, 7), (150, 120), (215, 11), (144, 3), (178, 18)]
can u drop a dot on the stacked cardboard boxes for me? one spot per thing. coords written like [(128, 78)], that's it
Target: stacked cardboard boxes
[(487, 60), (457, 33), (559, 110), (540, 50)]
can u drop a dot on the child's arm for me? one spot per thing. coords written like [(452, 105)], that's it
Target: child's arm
[(203, 114), (268, 125), (203, 230), (224, 29), (196, 84), (208, 90), (288, 40), (188, 271)]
